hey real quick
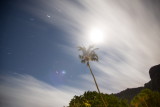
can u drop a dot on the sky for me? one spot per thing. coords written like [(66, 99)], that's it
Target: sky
[(39, 64)]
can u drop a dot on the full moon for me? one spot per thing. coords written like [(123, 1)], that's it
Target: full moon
[(96, 36)]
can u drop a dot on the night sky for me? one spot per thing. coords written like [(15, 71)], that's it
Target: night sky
[(39, 64)]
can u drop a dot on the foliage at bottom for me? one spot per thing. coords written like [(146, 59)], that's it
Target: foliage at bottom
[(146, 98), (92, 99)]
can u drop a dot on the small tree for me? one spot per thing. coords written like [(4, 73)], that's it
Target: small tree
[(146, 98), (93, 99), (87, 56)]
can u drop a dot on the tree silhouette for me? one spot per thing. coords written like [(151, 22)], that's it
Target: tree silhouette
[(146, 98), (93, 99), (87, 56)]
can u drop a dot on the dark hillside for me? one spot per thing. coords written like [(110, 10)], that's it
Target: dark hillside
[(153, 84), (129, 93)]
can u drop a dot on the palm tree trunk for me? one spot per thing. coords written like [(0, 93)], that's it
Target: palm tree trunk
[(96, 84)]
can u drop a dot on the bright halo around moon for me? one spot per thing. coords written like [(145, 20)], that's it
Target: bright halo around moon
[(96, 36)]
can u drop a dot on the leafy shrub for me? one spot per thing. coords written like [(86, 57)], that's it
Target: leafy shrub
[(146, 98), (93, 100)]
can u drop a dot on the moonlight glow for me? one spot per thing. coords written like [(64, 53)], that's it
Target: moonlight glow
[(96, 36)]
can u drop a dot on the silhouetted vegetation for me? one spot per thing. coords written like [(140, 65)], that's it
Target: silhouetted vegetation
[(87, 56), (93, 99), (153, 85), (146, 98), (129, 93)]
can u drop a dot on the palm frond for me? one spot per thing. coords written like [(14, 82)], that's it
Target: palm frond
[(94, 59), (80, 56), (88, 54), (83, 49), (95, 49), (83, 61), (89, 48)]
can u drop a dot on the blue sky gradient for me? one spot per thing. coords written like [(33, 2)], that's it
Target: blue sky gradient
[(39, 40)]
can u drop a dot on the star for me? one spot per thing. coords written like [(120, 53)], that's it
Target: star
[(48, 16), (63, 72)]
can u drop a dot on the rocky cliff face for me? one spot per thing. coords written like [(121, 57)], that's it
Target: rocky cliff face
[(153, 84)]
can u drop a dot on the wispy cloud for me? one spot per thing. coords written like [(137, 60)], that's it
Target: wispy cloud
[(26, 91), (131, 47), (132, 36)]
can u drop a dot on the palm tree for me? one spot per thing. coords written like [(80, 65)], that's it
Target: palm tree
[(87, 56)]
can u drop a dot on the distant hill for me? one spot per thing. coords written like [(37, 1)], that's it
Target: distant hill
[(129, 93), (131, 97), (153, 84)]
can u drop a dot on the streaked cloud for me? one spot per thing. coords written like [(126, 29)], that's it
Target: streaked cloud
[(131, 44), (26, 91), (131, 37)]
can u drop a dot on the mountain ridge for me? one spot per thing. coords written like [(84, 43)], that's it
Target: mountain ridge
[(153, 84)]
